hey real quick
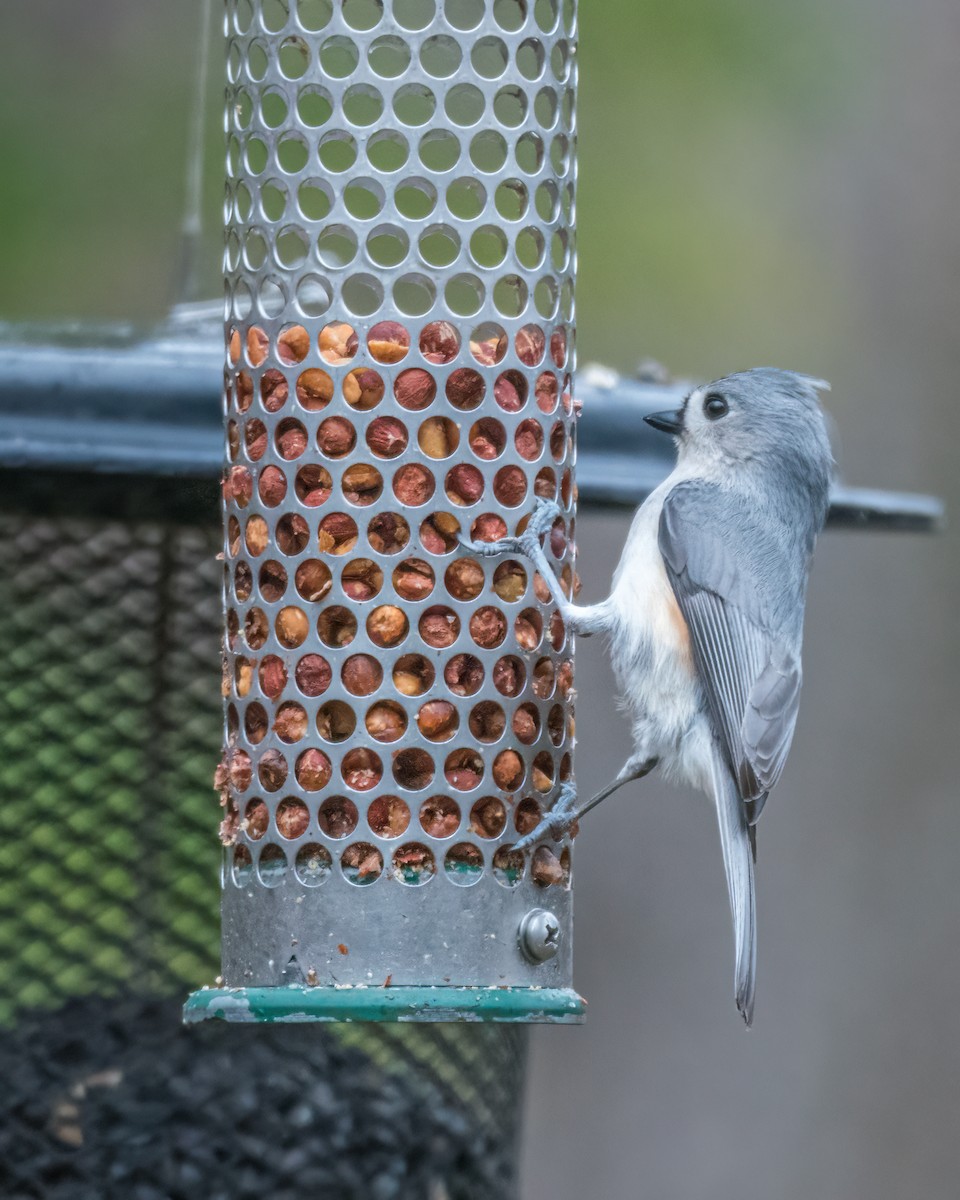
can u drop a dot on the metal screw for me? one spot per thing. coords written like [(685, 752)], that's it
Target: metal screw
[(539, 935)]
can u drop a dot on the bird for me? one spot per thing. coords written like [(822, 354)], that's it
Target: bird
[(704, 619)]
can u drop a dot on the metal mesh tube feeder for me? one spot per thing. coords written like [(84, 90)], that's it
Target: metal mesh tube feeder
[(399, 274)]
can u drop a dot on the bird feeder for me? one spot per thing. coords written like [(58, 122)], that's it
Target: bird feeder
[(399, 273)]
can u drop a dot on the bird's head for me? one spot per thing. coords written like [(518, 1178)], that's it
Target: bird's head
[(765, 416)]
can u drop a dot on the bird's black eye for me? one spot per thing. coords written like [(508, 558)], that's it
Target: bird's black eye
[(715, 407)]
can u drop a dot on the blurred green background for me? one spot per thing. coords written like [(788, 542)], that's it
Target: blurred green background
[(760, 182), (703, 131)]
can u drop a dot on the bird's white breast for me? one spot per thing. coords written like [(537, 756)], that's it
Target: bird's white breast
[(652, 654)]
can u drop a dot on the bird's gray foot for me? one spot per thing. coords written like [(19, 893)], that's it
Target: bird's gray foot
[(544, 514), (558, 821)]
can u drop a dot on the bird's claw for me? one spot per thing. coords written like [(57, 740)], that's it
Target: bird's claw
[(544, 514), (510, 545), (557, 823)]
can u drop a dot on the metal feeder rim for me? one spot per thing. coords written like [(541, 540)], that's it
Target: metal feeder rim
[(298, 1004)]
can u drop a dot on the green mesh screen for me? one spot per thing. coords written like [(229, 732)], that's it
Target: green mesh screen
[(109, 733)]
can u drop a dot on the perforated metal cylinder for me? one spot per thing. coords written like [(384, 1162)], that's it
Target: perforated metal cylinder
[(399, 313)]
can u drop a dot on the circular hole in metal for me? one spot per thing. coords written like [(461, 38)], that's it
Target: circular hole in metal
[(488, 151), (273, 199), (465, 388), (339, 57), (314, 14), (361, 674), (387, 245), (466, 198), (314, 106), (361, 863), (385, 721), (313, 485), (489, 343), (543, 770), (463, 674), (337, 151), (413, 864), (336, 721), (413, 769), (388, 533), (487, 721), (388, 817), (463, 769), (312, 675), (337, 534), (293, 818), (256, 820), (464, 484), (290, 722), (508, 865), (490, 57), (272, 770), (463, 864), (362, 294), (415, 198), (361, 579), (439, 626), (387, 626), (387, 150), (463, 14), (364, 198), (362, 104), (510, 14), (362, 14), (272, 676), (509, 675), (413, 579), (293, 58), (387, 437), (488, 817), (362, 769), (510, 581), (508, 770), (388, 56), (414, 104), (510, 295), (440, 817), (414, 294), (438, 720), (313, 864), (438, 533), (242, 866), (510, 106), (337, 817), (439, 245), (441, 56), (292, 153), (414, 14), (413, 675), (336, 626), (272, 866), (313, 295)]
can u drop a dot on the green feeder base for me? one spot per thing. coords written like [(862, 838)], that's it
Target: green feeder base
[(554, 1006)]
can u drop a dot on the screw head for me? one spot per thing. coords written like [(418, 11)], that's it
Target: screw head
[(539, 935)]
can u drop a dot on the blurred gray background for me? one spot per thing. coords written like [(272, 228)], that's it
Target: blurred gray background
[(761, 182)]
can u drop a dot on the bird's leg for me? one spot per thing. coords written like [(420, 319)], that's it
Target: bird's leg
[(583, 620), (561, 818)]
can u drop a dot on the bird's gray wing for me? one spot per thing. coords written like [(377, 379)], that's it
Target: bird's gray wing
[(740, 583)]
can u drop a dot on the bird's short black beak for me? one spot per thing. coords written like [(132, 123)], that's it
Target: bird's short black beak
[(667, 422)]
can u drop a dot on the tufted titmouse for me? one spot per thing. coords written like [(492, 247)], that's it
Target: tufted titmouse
[(705, 618)]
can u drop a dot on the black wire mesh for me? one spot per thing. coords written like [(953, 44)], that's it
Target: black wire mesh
[(109, 731)]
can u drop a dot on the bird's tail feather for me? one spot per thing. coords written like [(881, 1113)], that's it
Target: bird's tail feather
[(738, 864)]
